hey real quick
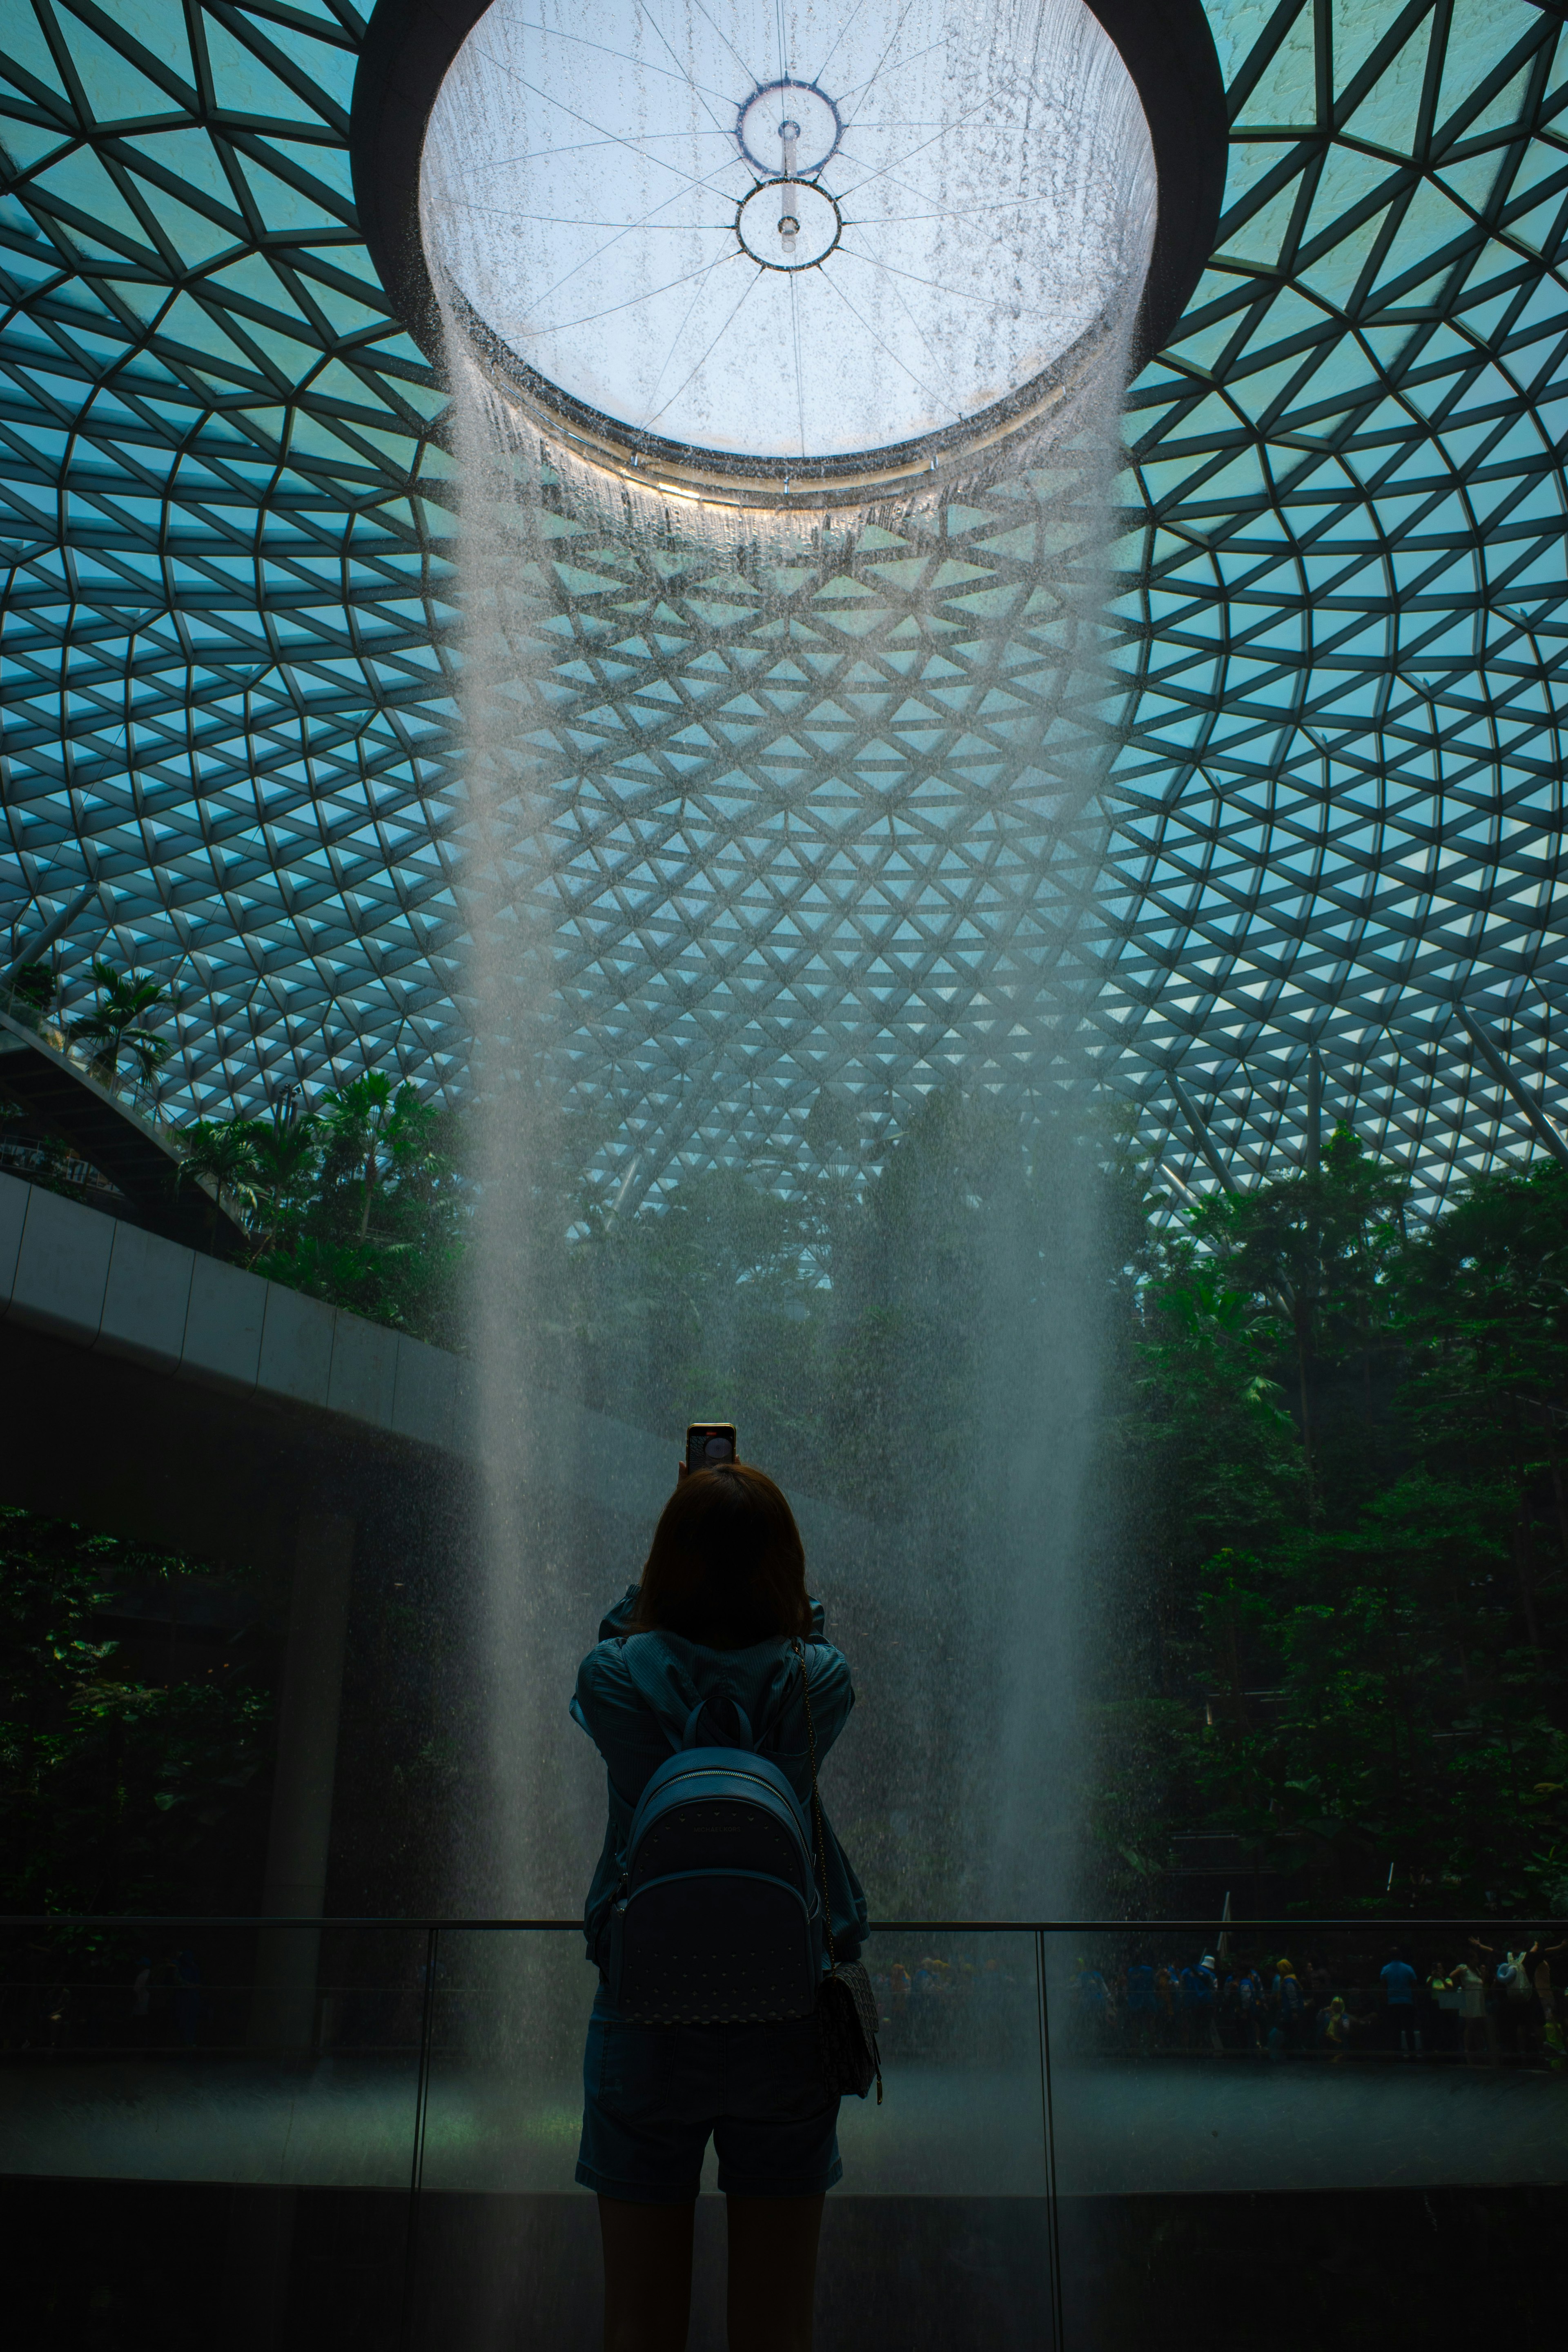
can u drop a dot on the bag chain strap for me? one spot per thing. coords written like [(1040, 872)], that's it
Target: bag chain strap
[(816, 1812)]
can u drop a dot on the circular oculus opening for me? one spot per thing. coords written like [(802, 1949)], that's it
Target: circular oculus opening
[(443, 123), (899, 241)]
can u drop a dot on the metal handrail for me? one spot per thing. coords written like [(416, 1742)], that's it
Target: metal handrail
[(1380, 1922)]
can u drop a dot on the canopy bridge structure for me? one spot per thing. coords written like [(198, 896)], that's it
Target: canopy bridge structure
[(1328, 865)]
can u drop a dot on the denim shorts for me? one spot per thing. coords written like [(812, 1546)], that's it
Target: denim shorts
[(652, 2094)]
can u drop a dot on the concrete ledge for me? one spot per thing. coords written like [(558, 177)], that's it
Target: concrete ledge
[(146, 1298), (110, 1286), (296, 1358), (223, 1324), (363, 1381), (425, 1398), (62, 1266)]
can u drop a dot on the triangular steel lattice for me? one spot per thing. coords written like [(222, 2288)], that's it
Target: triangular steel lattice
[(1335, 814)]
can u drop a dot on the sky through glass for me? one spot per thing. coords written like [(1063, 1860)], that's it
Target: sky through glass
[(227, 675)]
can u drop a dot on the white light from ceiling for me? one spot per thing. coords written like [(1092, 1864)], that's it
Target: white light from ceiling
[(777, 232)]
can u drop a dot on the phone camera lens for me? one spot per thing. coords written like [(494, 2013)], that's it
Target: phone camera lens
[(718, 1449)]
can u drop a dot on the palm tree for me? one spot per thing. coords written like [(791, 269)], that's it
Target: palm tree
[(117, 1022), (149, 1054), (284, 1150), (222, 1151), (363, 1120)]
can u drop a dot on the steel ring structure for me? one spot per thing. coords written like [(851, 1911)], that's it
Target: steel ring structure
[(1329, 868)]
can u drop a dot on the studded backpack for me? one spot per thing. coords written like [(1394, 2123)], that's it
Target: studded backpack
[(717, 1918)]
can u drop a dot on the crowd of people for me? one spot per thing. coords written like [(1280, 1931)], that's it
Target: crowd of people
[(1473, 2003), (1483, 2005)]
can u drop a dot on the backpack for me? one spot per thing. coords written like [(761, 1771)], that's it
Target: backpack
[(717, 1919)]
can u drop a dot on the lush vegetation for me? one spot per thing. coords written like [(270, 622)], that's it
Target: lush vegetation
[(1330, 1560), (356, 1201), (1327, 1562), (116, 1793), (1346, 1434)]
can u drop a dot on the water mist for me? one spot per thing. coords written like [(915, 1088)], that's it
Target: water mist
[(783, 827)]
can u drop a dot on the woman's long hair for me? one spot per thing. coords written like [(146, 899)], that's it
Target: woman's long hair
[(727, 1564)]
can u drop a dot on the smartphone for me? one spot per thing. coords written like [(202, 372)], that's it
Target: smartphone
[(708, 1443)]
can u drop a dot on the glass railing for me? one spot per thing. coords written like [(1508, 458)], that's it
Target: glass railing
[(371, 2126)]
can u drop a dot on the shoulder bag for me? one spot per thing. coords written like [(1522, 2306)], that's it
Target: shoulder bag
[(846, 2004)]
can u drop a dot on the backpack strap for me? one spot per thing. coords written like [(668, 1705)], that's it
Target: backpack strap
[(652, 1687), (745, 1740)]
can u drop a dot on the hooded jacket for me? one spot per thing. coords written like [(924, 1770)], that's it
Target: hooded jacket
[(765, 1681)]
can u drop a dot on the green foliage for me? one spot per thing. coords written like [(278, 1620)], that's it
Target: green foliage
[(1331, 1449), (357, 1201), (33, 985), (1350, 1443), (118, 1023), (114, 1795), (217, 1152), (864, 1327)]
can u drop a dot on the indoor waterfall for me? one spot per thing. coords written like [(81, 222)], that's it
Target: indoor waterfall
[(785, 942)]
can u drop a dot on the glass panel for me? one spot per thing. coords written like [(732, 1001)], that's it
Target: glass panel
[(1384, 2073), (938, 2228), (508, 2245), (238, 2093), (939, 2235), (253, 2097), (211, 2053), (506, 2065)]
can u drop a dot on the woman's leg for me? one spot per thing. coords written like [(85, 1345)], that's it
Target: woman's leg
[(648, 2274), (772, 2272)]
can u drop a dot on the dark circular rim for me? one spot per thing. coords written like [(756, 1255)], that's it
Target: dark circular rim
[(789, 268), (760, 163), (862, 478), (409, 44)]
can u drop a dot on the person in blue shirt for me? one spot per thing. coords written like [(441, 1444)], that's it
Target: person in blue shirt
[(1092, 1995), (1400, 1983), (1200, 1991), (1249, 2008), (1143, 2006), (1288, 2003), (724, 1609)]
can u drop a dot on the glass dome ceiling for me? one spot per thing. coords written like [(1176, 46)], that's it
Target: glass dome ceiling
[(1336, 809)]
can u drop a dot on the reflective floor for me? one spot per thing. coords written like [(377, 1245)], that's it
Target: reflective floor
[(1190, 2127), (136, 2266), (386, 2159)]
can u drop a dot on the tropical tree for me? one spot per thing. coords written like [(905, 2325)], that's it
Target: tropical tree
[(33, 985), (1315, 1250), (149, 1054), (1484, 1301), (373, 1134), (368, 1210), (114, 1794), (222, 1153), (285, 1151), (118, 1021), (1369, 1637)]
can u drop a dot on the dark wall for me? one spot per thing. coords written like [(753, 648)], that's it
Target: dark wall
[(225, 1480)]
